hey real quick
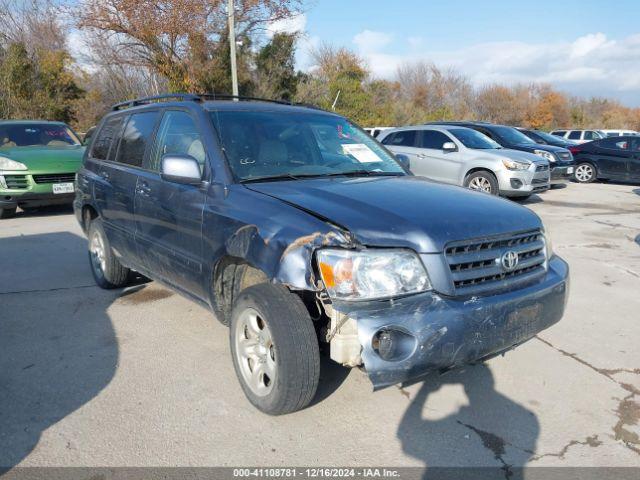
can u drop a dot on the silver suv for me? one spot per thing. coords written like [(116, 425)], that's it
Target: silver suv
[(466, 157)]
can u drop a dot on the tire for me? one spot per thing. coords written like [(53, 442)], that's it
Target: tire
[(482, 181), (585, 173), (7, 212), (107, 271), (276, 331)]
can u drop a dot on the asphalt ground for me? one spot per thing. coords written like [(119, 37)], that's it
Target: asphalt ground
[(143, 377)]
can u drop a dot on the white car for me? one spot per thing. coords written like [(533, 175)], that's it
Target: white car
[(375, 131), (465, 157), (580, 136)]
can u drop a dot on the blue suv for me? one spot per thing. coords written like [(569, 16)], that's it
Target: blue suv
[(300, 231)]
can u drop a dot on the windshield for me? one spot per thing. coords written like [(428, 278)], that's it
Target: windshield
[(547, 137), (262, 145), (36, 134), (473, 139), (511, 135)]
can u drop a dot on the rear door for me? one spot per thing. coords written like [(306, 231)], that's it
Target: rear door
[(121, 171), (575, 135), (434, 162), (612, 156), (168, 215)]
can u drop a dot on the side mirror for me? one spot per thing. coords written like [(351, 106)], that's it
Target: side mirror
[(183, 169), (403, 160), (449, 147)]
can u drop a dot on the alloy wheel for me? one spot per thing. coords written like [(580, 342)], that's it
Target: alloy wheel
[(480, 184), (98, 252), (584, 172), (255, 352)]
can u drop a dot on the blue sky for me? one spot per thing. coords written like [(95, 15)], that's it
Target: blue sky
[(582, 47)]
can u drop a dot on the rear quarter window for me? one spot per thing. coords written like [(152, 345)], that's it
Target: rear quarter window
[(404, 138), (105, 139)]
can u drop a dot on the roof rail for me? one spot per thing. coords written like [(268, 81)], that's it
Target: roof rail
[(183, 97)]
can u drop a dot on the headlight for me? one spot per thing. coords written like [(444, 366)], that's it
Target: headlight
[(368, 274), (548, 246), (544, 154), (515, 165), (8, 164)]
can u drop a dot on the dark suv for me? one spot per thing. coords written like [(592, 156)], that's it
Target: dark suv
[(299, 231), (560, 159)]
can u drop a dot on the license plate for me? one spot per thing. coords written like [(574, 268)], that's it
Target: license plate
[(62, 188), (570, 170)]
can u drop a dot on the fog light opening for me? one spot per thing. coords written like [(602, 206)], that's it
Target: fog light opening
[(515, 183), (392, 344)]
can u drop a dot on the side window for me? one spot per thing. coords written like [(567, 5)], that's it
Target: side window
[(590, 135), (135, 138), (102, 143), (434, 140), (388, 139), (574, 135), (404, 138), (178, 135), (614, 143)]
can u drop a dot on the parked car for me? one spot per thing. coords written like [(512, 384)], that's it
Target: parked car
[(38, 163), (613, 158), (468, 158), (560, 159), (619, 133), (375, 131), (580, 136), (297, 228), (544, 138)]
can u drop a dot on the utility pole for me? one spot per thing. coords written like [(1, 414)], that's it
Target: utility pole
[(232, 48)]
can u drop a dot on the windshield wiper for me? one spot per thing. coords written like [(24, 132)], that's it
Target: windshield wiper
[(368, 173), (273, 178)]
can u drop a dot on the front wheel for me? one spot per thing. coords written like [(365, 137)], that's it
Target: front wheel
[(585, 173), (275, 349), (482, 182), (107, 270), (7, 212)]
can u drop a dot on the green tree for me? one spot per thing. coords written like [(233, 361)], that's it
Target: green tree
[(275, 68)]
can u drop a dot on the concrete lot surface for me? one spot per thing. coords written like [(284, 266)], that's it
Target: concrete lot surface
[(143, 377)]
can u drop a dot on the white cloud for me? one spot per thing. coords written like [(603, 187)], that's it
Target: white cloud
[(589, 65), (371, 41), (294, 24)]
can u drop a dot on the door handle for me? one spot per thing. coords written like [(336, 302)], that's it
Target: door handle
[(144, 189), (421, 155)]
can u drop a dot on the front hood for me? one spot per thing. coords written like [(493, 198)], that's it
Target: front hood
[(547, 148), (404, 211), (47, 159)]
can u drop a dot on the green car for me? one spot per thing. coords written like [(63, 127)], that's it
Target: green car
[(38, 163)]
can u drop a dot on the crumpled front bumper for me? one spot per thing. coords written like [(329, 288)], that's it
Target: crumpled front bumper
[(451, 332)]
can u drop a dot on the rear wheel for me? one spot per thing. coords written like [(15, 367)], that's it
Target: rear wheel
[(7, 212), (585, 173), (482, 182), (275, 349), (107, 270)]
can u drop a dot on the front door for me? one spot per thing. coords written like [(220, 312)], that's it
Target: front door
[(634, 161), (169, 215), (405, 142)]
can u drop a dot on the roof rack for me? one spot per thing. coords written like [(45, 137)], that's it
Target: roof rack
[(201, 97)]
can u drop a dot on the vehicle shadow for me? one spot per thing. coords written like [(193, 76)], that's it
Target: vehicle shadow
[(475, 435), (332, 375), (535, 198), (48, 211), (58, 348)]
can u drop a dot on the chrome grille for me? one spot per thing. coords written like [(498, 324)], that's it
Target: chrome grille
[(476, 265), (542, 168), (16, 182), (55, 178)]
